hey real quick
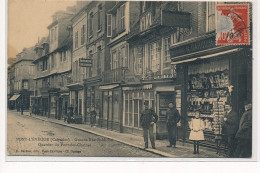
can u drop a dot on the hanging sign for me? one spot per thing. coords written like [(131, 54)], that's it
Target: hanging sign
[(85, 62)]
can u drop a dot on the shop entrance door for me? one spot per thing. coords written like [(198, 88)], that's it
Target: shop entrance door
[(164, 98)]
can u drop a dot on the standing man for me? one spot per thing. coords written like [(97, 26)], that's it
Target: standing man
[(244, 133), (230, 127), (172, 118), (147, 119)]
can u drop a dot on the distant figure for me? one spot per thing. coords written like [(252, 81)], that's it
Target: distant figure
[(22, 107), (93, 115), (70, 115), (244, 134), (172, 118), (230, 127), (196, 133), (147, 119)]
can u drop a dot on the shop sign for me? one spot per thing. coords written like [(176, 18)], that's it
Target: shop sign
[(85, 62), (194, 47)]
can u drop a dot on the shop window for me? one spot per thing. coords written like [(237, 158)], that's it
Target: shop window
[(80, 106)]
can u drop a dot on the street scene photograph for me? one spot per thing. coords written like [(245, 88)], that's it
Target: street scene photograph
[(149, 79)]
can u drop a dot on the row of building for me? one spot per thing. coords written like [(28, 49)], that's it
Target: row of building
[(113, 56)]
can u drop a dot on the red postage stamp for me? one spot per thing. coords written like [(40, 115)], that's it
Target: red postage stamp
[(232, 24)]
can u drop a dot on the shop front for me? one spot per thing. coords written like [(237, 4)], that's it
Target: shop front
[(213, 78), (158, 96), (93, 98), (76, 100), (111, 117)]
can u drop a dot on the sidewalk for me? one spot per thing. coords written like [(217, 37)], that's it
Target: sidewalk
[(181, 151)]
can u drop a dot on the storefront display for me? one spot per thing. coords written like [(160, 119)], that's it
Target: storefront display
[(208, 92)]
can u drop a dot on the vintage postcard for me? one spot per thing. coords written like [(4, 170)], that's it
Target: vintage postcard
[(139, 79)]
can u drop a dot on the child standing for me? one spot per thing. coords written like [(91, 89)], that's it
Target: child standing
[(196, 133)]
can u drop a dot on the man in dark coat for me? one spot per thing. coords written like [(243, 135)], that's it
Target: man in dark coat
[(230, 128), (172, 118), (244, 133), (148, 118)]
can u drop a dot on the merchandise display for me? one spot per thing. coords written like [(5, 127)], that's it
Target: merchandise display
[(208, 92)]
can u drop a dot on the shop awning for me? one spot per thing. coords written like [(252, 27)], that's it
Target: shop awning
[(136, 88), (65, 94), (107, 87), (186, 58), (14, 97)]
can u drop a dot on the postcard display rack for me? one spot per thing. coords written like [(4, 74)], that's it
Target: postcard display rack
[(208, 93)]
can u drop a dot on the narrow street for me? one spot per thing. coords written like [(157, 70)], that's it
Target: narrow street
[(29, 136)]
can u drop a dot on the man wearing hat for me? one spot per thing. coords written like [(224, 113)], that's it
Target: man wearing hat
[(148, 118), (230, 127), (244, 133), (172, 118)]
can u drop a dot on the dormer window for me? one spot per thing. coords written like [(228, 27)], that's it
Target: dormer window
[(146, 21)]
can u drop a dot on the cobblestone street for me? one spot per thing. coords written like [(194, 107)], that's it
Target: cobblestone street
[(28, 136), (37, 135)]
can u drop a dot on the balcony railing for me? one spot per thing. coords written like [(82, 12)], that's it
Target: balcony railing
[(114, 75)]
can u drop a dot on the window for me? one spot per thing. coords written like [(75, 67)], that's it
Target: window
[(60, 55), (65, 55), (155, 57), (109, 25), (98, 60), (138, 52), (91, 24), (167, 44), (210, 16), (25, 85), (83, 34), (122, 15), (114, 60), (124, 56), (99, 16), (52, 61), (55, 33), (76, 39), (146, 22), (44, 64), (80, 106)]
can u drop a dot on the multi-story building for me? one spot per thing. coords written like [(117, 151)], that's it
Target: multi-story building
[(120, 21), (150, 75), (211, 76), (21, 80), (79, 30), (96, 50), (54, 67)]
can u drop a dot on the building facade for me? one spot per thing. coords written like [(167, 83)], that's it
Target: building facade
[(21, 74), (211, 76)]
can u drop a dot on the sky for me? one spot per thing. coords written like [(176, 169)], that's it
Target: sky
[(28, 21)]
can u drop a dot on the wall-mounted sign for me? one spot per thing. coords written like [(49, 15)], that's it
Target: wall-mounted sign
[(85, 62)]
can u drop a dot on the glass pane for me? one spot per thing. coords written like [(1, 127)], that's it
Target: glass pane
[(140, 110), (151, 95), (130, 113), (126, 112), (146, 95), (135, 120)]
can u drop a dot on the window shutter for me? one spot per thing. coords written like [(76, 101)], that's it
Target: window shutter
[(109, 25)]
